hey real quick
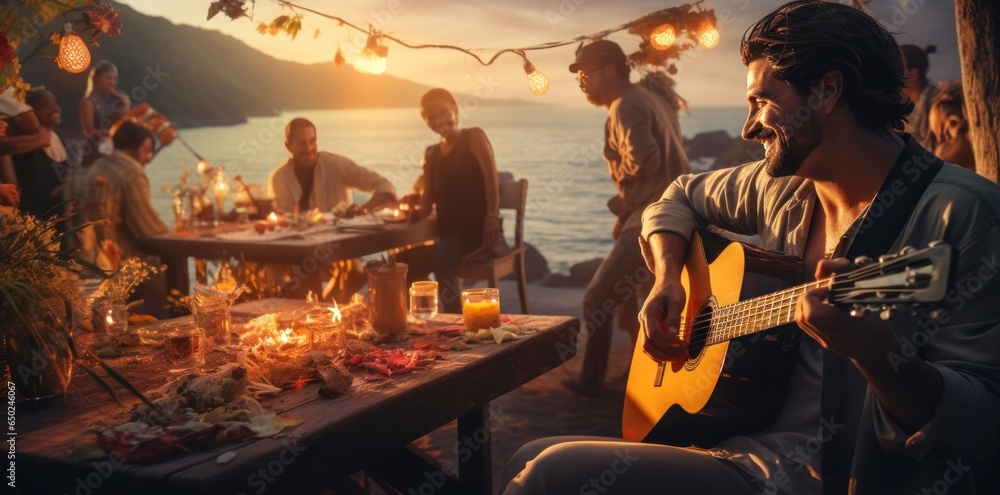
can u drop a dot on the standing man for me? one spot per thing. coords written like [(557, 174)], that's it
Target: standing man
[(645, 153), (856, 420), (920, 91)]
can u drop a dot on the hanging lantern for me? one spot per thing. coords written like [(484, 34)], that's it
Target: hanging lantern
[(709, 36), (373, 59), (74, 56), (662, 37), (538, 84)]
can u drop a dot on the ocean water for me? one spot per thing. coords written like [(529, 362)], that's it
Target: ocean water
[(557, 149)]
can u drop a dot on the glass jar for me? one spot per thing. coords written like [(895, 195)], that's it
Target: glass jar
[(211, 313), (424, 299), (480, 308), (109, 316)]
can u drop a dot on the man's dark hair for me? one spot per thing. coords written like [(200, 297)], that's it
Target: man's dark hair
[(296, 124), (804, 40), (129, 135), (436, 94), (33, 97), (915, 57)]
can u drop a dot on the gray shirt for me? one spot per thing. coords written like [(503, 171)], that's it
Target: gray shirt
[(959, 207)]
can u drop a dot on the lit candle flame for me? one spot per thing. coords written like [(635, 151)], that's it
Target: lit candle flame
[(272, 217), (395, 213), (336, 316), (109, 319)]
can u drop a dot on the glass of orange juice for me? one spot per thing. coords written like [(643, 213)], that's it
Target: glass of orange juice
[(480, 308)]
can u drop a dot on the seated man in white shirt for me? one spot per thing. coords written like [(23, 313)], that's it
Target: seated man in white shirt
[(311, 179)]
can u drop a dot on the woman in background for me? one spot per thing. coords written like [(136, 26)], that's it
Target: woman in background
[(949, 128), (40, 173), (102, 105), (460, 180)]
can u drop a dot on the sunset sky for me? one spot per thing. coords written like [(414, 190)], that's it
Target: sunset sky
[(712, 78)]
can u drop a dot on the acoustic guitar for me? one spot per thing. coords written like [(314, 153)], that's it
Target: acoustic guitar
[(739, 322)]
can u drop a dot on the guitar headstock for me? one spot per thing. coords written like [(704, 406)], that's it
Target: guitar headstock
[(913, 277)]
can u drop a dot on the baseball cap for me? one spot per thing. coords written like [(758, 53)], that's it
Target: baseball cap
[(600, 52)]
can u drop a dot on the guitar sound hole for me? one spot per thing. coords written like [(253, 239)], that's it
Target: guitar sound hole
[(699, 331)]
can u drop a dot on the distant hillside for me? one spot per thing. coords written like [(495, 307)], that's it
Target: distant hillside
[(214, 79)]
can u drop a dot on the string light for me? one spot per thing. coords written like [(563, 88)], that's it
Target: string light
[(74, 56), (709, 36), (538, 84), (373, 59), (661, 32), (663, 37)]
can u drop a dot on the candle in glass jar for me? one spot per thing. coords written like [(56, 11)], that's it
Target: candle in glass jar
[(480, 308)]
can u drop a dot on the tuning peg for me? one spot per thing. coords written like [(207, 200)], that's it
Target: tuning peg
[(885, 258), (863, 260), (935, 243), (886, 313), (857, 310), (933, 314), (907, 250)]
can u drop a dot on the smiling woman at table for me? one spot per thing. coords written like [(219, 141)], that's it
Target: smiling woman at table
[(460, 179)]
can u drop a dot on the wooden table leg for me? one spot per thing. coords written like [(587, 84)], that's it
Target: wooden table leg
[(475, 459)]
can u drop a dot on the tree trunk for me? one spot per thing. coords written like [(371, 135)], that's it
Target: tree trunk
[(978, 23)]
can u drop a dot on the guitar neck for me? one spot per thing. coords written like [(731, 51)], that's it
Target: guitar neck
[(757, 314)]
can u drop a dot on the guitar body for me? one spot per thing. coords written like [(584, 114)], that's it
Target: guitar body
[(736, 387)]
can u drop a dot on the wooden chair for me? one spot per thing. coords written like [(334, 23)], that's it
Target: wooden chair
[(494, 264)]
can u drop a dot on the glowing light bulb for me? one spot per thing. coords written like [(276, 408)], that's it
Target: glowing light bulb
[(538, 84), (74, 56), (373, 59), (363, 63), (379, 65), (709, 37), (662, 37)]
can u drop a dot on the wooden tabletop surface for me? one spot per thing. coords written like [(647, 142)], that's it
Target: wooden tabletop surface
[(333, 243), (338, 436)]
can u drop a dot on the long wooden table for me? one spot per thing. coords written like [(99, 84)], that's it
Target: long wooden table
[(367, 428), (335, 244)]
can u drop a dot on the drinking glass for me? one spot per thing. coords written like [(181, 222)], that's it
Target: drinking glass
[(185, 347), (387, 297), (424, 299), (109, 316), (480, 308), (211, 312)]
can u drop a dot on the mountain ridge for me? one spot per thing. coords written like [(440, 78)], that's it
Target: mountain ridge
[(199, 77)]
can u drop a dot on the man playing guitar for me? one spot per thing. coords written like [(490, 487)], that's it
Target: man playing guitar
[(872, 406)]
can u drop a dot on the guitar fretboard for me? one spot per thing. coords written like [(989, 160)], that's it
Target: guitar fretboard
[(756, 314)]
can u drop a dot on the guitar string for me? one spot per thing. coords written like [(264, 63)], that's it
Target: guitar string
[(749, 319), (859, 273)]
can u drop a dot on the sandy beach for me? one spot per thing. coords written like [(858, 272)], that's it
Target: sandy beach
[(544, 407)]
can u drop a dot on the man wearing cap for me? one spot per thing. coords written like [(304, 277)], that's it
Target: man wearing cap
[(644, 151), (920, 91)]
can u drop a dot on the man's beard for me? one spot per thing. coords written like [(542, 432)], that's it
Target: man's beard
[(785, 157)]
